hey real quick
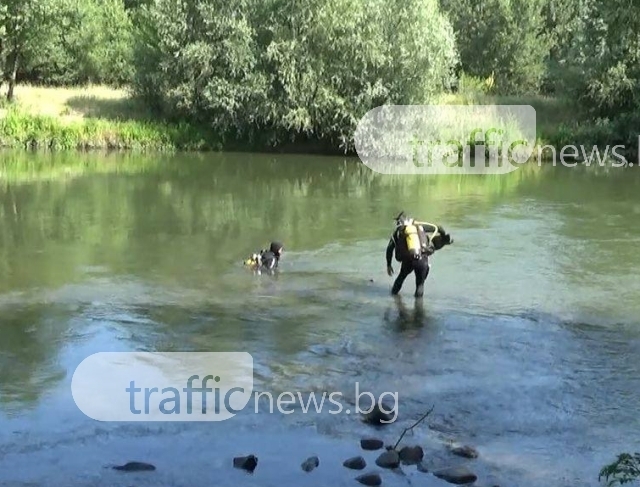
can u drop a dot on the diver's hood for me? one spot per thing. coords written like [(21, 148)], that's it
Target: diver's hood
[(275, 247)]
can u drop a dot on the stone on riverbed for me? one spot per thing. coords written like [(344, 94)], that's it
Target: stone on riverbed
[(135, 467), (355, 463), (371, 443), (388, 459), (411, 455), (248, 463), (370, 479), (465, 451), (379, 417), (456, 475), (310, 463)]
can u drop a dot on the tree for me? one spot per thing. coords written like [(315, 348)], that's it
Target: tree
[(90, 41), (505, 39), (275, 72), (24, 25), (565, 24), (610, 57), (197, 59)]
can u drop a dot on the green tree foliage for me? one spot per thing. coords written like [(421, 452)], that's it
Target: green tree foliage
[(604, 73), (198, 60), (90, 42), (55, 42), (611, 56), (133, 4), (24, 24), (280, 71), (565, 23), (504, 39)]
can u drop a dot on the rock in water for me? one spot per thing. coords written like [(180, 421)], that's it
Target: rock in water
[(422, 467), (310, 463), (411, 455), (248, 463), (370, 479), (355, 463), (135, 467), (388, 459), (371, 443), (456, 475), (465, 451), (379, 417)]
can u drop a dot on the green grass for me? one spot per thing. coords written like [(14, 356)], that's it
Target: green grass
[(21, 129), (92, 117)]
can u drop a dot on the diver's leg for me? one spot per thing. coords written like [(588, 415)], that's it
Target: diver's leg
[(421, 268), (405, 270)]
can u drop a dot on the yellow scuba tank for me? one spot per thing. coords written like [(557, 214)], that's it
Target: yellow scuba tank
[(253, 261), (410, 237), (414, 245)]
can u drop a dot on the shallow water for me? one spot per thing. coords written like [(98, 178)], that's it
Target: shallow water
[(526, 343)]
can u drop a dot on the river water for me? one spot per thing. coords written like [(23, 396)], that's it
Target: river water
[(526, 343)]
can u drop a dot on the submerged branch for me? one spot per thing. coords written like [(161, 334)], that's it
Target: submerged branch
[(410, 428)]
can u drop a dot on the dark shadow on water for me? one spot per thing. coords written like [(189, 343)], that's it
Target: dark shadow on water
[(407, 319)]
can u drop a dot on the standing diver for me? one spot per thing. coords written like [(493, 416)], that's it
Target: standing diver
[(413, 246), (266, 260)]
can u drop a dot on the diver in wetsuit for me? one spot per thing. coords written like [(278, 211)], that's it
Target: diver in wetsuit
[(413, 246), (266, 260)]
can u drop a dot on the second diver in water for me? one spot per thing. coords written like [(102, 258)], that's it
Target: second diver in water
[(266, 260)]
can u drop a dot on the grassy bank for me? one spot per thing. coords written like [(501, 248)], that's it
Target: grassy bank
[(93, 117), (98, 117)]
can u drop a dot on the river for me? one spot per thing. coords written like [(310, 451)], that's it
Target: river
[(526, 343)]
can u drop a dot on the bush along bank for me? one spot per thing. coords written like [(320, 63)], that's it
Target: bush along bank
[(21, 129)]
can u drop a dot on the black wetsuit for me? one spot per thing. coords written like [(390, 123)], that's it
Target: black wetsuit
[(269, 260), (420, 266)]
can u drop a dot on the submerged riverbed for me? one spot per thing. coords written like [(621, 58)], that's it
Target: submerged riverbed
[(527, 341)]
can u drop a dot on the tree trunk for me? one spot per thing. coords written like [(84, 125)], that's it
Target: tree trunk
[(1, 62), (14, 73)]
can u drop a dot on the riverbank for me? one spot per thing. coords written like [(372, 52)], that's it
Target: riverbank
[(103, 118), (92, 117)]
